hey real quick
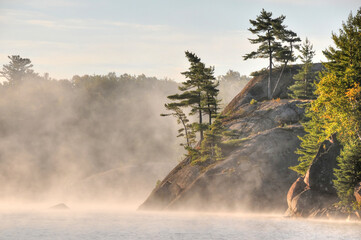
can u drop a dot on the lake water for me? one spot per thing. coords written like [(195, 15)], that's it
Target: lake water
[(31, 225)]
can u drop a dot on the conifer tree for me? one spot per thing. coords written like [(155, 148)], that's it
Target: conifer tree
[(304, 86), (349, 172), (15, 71), (210, 88), (210, 148), (286, 54), (268, 30), (186, 130), (199, 92), (310, 142)]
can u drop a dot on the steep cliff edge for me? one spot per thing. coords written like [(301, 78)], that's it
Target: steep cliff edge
[(255, 174)]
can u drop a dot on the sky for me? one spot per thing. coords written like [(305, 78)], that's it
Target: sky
[(76, 37)]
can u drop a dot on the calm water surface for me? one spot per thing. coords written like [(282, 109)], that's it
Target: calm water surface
[(147, 225)]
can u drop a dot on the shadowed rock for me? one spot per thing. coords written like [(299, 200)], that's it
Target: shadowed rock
[(297, 187), (320, 174), (316, 195)]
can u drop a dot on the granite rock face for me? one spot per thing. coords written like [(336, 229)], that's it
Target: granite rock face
[(316, 195), (254, 175)]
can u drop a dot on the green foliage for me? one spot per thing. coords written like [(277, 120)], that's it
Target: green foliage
[(337, 109), (210, 150), (310, 143), (234, 142), (304, 86), (253, 101), (199, 92), (349, 172), (271, 33), (187, 129)]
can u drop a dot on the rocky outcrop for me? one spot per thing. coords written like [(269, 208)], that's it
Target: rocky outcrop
[(257, 87), (320, 175), (315, 195), (254, 175)]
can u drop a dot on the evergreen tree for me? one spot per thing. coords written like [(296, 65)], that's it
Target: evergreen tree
[(15, 71), (310, 142), (268, 30), (186, 130), (210, 150), (286, 54), (349, 172), (304, 86), (211, 91), (199, 92)]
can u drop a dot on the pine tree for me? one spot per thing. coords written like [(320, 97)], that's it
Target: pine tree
[(210, 150), (199, 92), (267, 29), (304, 86), (286, 54), (349, 172), (186, 130), (310, 142), (210, 88), (15, 71)]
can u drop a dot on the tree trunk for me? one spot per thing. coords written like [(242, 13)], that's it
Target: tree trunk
[(186, 132), (269, 76), (200, 122), (279, 78)]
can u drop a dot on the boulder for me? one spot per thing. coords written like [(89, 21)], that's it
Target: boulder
[(320, 174), (357, 192), (311, 203), (297, 187)]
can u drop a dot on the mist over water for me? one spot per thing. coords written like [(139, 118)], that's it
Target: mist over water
[(153, 225), (93, 139)]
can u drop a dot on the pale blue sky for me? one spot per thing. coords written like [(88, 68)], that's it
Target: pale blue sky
[(68, 37)]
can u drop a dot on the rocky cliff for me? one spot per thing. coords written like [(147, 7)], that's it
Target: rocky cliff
[(255, 174)]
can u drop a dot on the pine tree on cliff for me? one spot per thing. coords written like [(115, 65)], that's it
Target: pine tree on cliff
[(186, 130), (349, 172), (304, 86), (199, 92), (268, 30), (286, 54), (210, 150), (210, 88)]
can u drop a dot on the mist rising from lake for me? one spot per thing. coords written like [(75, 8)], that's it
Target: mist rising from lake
[(109, 224)]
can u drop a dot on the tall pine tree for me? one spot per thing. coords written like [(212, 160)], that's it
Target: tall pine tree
[(268, 31), (304, 86)]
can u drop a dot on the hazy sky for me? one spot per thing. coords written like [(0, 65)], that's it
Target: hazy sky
[(68, 37)]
